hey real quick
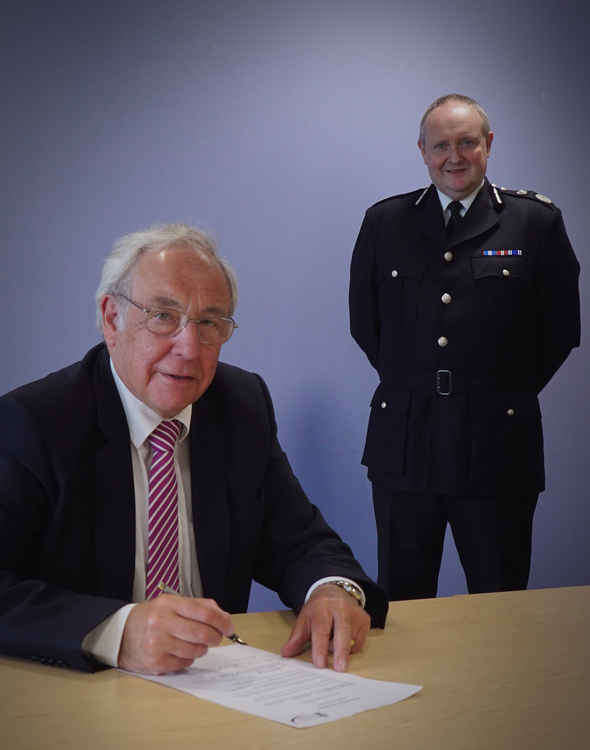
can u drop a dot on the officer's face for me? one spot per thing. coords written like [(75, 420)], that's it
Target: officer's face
[(455, 149), (166, 372)]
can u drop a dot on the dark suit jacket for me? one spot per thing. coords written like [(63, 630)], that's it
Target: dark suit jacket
[(510, 324), (67, 525)]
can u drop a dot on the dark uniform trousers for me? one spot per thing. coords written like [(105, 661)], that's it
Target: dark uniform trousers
[(464, 333)]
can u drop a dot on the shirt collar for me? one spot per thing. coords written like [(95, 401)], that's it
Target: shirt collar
[(141, 419), (465, 202)]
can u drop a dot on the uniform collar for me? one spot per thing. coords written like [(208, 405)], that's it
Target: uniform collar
[(466, 202)]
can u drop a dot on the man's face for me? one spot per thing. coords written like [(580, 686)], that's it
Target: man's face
[(166, 373), (455, 149)]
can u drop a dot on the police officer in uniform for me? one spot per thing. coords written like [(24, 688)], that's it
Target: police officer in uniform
[(464, 297)]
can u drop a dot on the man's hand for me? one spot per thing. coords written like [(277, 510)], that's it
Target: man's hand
[(330, 613), (168, 633)]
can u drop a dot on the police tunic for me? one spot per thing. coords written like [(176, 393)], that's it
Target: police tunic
[(464, 334)]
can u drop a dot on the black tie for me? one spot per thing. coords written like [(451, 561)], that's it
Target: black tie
[(455, 209)]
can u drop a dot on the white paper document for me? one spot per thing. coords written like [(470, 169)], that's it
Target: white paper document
[(286, 690)]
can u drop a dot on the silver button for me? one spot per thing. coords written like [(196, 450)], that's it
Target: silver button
[(510, 412), (383, 404), (448, 256), (442, 341), (394, 273), (446, 298), (505, 272)]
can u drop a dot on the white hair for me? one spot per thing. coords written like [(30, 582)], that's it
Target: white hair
[(119, 263)]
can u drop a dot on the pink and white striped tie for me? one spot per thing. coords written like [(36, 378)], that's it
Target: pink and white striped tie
[(162, 555)]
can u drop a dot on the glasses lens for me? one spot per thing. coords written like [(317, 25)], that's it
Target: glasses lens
[(163, 322), (215, 330)]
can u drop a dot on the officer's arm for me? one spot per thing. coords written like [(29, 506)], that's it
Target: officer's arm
[(363, 302), (559, 308)]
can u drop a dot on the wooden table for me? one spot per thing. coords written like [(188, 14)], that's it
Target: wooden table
[(499, 671)]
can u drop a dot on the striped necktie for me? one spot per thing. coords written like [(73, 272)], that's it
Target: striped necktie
[(162, 556)]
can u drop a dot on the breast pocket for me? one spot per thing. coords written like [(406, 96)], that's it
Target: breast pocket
[(399, 285), (503, 288), (386, 434), (503, 268)]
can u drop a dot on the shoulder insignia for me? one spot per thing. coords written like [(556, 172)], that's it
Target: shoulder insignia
[(411, 195), (415, 196), (497, 195), (529, 194), (543, 198), (422, 194)]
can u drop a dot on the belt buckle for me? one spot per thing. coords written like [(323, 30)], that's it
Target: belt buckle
[(444, 382)]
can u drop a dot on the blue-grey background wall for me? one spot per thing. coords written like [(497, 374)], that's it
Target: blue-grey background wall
[(274, 125)]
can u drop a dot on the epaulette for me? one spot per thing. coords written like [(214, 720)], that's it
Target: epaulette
[(522, 193), (417, 194)]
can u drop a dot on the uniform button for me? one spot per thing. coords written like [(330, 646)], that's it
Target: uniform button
[(505, 272), (394, 273), (442, 341), (448, 256), (446, 298), (510, 412), (383, 404)]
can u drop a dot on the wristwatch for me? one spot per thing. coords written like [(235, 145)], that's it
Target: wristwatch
[(351, 588)]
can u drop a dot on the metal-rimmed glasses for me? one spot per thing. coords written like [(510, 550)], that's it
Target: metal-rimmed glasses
[(213, 330)]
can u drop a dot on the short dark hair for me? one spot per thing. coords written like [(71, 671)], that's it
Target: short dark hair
[(485, 122)]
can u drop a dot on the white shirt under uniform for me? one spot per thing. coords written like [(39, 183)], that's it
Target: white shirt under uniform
[(466, 202), (104, 641)]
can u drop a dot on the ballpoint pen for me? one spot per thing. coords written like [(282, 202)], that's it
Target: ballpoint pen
[(233, 637)]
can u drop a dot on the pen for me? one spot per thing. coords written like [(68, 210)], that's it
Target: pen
[(233, 637)]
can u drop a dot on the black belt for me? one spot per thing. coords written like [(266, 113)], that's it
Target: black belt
[(448, 382), (443, 382)]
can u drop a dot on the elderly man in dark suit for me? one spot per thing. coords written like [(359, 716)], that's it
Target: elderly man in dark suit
[(150, 467), (464, 297)]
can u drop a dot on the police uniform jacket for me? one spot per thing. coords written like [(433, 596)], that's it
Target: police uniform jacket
[(464, 334)]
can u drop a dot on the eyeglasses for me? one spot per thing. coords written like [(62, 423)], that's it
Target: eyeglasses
[(213, 330)]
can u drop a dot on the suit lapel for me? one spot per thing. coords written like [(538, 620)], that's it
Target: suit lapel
[(115, 497), (210, 494)]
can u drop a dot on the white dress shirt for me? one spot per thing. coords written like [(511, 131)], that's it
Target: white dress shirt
[(142, 421), (445, 201)]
